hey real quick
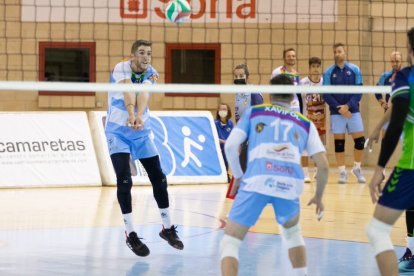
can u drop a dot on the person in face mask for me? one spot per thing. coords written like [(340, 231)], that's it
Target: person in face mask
[(242, 102), (224, 126)]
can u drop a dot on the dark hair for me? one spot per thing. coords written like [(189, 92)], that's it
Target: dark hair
[(244, 67), (315, 60), (287, 50), (336, 45), (228, 111), (410, 36), (139, 43), (281, 80)]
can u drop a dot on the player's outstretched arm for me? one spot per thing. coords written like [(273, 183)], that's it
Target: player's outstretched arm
[(322, 165)]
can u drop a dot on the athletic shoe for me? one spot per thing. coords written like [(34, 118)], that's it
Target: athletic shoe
[(306, 176), (358, 174), (170, 235), (134, 243), (343, 177), (406, 262)]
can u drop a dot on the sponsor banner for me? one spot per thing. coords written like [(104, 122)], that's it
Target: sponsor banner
[(187, 143), (45, 149), (202, 11)]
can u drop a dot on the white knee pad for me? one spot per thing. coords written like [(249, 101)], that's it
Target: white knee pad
[(229, 247), (378, 234), (293, 236)]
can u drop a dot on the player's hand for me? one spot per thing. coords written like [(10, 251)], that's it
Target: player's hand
[(131, 121), (319, 206), (373, 137), (383, 104), (139, 123), (375, 187), (235, 188), (347, 114), (342, 109)]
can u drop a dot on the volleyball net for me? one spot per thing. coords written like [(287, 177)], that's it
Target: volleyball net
[(81, 41)]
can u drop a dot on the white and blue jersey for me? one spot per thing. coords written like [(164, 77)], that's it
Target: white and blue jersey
[(277, 137), (244, 101), (350, 74), (116, 121)]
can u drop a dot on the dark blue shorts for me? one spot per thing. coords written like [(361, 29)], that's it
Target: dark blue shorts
[(398, 192)]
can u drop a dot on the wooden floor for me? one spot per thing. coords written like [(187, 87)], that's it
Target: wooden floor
[(347, 209), (79, 231)]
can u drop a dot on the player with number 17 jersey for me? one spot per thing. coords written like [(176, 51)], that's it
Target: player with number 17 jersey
[(277, 137)]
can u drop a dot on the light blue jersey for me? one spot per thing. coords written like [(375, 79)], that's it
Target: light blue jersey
[(116, 121), (277, 137)]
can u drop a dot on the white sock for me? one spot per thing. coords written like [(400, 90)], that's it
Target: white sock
[(342, 169), (165, 217), (306, 172), (357, 165), (301, 271), (129, 224), (410, 243)]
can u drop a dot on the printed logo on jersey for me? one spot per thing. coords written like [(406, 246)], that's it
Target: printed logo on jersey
[(297, 136), (278, 168), (259, 127), (281, 148), (277, 185), (348, 73), (272, 151)]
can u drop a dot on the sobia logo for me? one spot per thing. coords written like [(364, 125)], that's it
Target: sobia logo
[(42, 146), (394, 180), (199, 9)]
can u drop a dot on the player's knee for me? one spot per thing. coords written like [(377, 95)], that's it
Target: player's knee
[(293, 236), (124, 184), (159, 182), (339, 145), (378, 234), (159, 185), (229, 247), (359, 143)]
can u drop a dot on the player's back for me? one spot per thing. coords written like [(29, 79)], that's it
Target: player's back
[(277, 137)]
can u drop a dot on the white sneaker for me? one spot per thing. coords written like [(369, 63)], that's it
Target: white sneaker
[(306, 177), (343, 177), (358, 174)]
